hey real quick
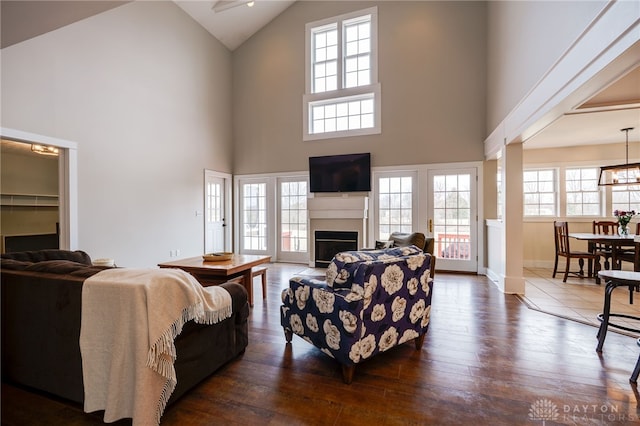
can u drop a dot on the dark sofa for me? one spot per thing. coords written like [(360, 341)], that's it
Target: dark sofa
[(41, 310)]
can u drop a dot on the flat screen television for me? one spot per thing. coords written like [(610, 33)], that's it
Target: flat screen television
[(340, 173)]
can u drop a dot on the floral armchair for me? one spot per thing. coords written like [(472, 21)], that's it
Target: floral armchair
[(369, 302)]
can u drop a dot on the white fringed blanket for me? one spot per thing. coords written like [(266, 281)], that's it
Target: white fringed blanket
[(130, 319)]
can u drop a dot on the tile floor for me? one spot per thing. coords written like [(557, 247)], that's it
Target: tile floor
[(578, 299)]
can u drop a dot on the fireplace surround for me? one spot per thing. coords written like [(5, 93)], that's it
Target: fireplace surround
[(336, 215), (328, 243)]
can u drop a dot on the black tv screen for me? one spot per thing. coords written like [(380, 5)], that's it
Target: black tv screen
[(340, 173)]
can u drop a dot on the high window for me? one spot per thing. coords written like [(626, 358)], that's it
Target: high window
[(342, 90)]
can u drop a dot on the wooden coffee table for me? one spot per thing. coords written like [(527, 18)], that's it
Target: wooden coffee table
[(216, 273)]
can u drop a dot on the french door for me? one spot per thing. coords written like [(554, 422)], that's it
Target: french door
[(293, 231), (453, 218)]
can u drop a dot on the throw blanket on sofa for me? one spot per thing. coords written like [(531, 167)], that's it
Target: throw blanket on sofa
[(130, 319)]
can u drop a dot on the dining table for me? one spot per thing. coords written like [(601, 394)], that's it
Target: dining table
[(617, 243)]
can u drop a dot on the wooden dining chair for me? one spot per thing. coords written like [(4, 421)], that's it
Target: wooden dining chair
[(604, 227), (561, 237), (631, 254)]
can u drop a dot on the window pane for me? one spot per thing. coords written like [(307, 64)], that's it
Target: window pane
[(539, 193), (582, 191), (394, 205), (351, 115), (254, 225), (293, 216)]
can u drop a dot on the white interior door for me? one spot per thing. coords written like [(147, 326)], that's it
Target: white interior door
[(215, 213), (453, 218)]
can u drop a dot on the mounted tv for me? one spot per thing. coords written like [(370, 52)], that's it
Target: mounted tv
[(340, 173)]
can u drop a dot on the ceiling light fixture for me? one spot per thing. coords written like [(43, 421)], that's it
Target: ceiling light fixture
[(623, 174), (44, 149)]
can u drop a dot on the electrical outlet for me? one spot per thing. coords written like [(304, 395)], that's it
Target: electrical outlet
[(177, 252)]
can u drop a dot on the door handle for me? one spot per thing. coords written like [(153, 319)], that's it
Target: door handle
[(431, 226)]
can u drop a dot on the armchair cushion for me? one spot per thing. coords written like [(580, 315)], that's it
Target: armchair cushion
[(342, 268)]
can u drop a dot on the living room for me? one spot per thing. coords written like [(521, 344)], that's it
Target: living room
[(145, 100), (140, 154)]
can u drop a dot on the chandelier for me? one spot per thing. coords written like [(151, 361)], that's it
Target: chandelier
[(623, 174)]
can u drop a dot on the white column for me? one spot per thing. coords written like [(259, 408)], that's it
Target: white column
[(512, 217)]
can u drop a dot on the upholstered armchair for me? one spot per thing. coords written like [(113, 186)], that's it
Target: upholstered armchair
[(369, 302)]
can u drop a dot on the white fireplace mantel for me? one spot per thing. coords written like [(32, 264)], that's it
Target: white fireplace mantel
[(338, 213), (338, 207)]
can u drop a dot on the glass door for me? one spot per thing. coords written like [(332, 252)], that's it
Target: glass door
[(293, 225)]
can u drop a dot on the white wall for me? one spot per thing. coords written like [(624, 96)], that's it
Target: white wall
[(145, 93)]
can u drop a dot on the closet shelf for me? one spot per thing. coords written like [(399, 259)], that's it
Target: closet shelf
[(32, 200)]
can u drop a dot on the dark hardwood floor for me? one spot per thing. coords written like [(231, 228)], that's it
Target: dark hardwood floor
[(487, 360)]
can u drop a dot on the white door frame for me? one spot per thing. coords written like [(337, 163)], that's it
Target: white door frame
[(477, 223), (67, 178), (228, 206)]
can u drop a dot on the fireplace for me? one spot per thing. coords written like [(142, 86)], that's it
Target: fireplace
[(328, 243)]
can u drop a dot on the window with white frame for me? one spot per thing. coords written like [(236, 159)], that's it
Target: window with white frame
[(293, 216), (254, 216), (540, 192), (395, 205), (625, 198), (582, 191), (342, 91)]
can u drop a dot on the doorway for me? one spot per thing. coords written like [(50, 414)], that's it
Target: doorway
[(67, 188), (217, 188), (453, 218)]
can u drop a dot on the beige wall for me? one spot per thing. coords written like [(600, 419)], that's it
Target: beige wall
[(28, 174), (525, 39), (145, 92), (432, 62)]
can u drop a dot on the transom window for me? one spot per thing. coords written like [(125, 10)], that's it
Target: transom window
[(343, 94), (582, 192), (539, 192)]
